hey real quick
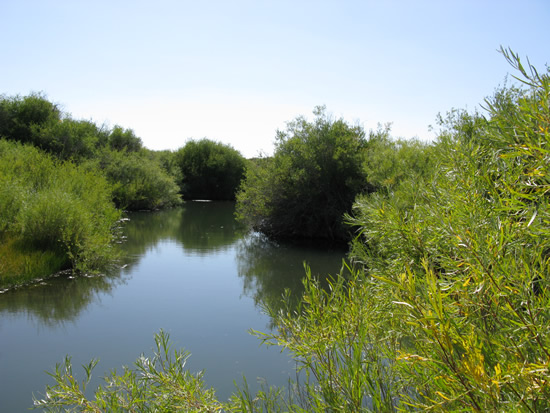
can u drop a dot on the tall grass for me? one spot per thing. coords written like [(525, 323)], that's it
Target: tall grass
[(53, 215)]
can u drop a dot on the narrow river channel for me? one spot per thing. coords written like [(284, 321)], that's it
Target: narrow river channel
[(190, 271)]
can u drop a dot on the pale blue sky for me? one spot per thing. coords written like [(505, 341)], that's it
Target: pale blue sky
[(235, 71)]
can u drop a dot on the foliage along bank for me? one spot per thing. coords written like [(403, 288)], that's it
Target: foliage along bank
[(140, 181), (456, 266), (61, 176), (318, 169), (209, 170), (53, 215)]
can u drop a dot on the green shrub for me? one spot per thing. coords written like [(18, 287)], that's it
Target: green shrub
[(33, 119), (22, 117), (139, 182), (53, 219), (121, 139), (12, 197), (463, 264), (342, 340), (312, 180), (389, 162), (70, 139), (25, 165), (155, 384), (60, 221), (167, 160), (142, 179), (210, 170), (55, 206)]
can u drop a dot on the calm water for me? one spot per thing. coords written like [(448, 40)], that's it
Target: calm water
[(189, 271)]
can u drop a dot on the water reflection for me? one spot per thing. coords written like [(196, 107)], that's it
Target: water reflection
[(266, 268), (191, 271), (145, 229), (200, 227), (57, 300), (207, 227), (269, 268)]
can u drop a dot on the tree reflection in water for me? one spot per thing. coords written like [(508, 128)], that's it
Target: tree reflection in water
[(199, 227), (269, 268), (59, 299)]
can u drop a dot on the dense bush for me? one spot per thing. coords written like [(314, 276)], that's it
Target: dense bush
[(210, 170), (34, 119), (22, 117), (139, 182), (389, 162), (167, 160), (461, 269), (311, 181), (82, 139), (141, 179), (124, 139), (48, 205), (70, 139)]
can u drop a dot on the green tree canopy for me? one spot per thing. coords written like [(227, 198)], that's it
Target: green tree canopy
[(311, 181), (211, 170), (139, 182), (124, 139), (22, 117)]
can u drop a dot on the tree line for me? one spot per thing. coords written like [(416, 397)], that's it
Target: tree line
[(64, 183)]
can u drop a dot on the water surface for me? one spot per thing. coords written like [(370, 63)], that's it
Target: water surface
[(190, 271)]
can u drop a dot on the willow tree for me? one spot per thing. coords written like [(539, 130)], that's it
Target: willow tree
[(311, 181)]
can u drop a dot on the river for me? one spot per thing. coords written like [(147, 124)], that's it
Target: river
[(190, 271)]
